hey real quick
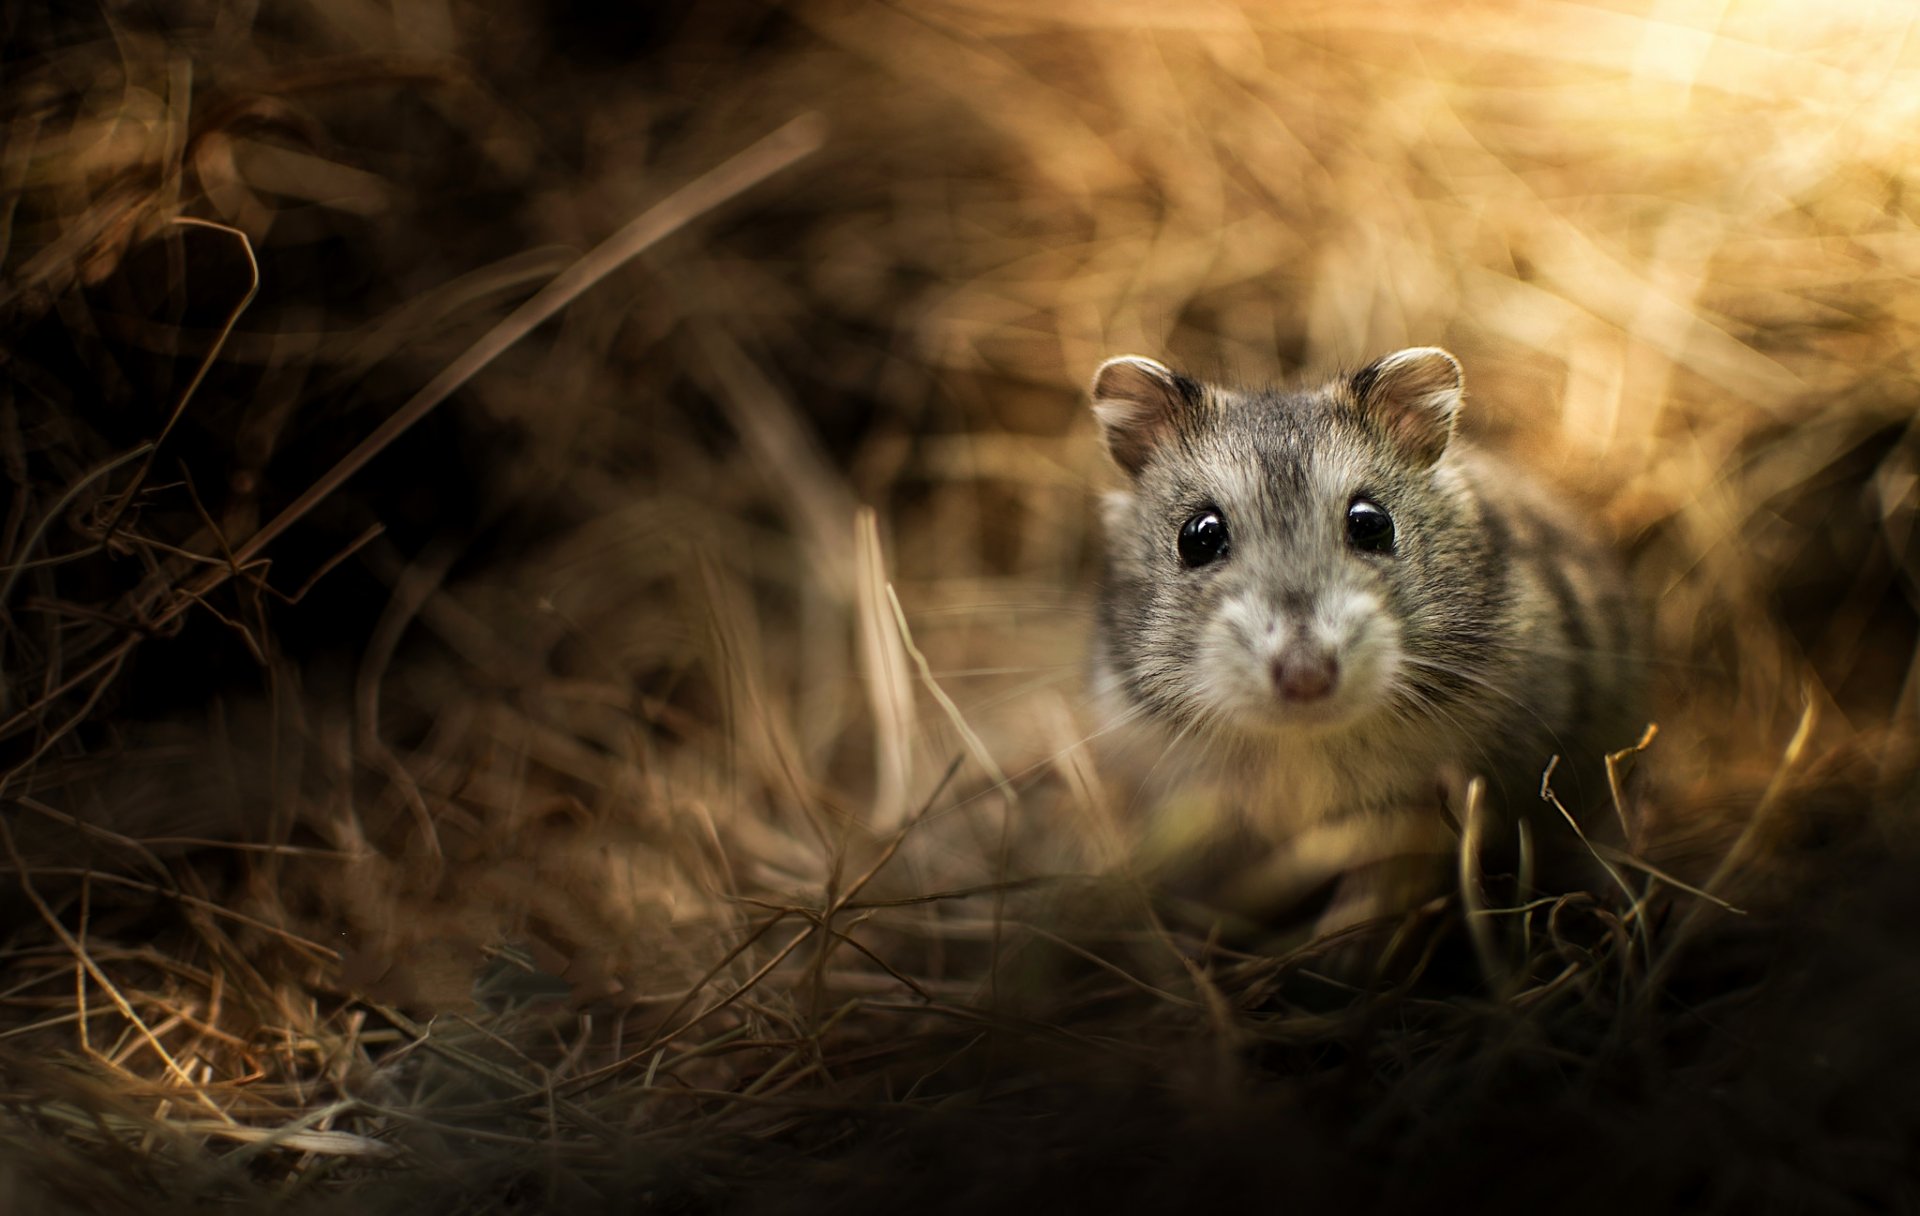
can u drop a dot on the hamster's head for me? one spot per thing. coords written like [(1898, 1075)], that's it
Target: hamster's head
[(1292, 560)]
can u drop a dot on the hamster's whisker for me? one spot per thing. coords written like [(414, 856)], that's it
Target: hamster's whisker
[(1606, 652), (1018, 779), (1472, 736), (1178, 737), (1020, 691), (1484, 683), (1002, 606), (961, 673)]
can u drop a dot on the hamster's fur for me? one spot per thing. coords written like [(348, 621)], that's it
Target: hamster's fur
[(1326, 689)]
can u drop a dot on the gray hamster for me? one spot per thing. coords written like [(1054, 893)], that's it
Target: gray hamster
[(1323, 610)]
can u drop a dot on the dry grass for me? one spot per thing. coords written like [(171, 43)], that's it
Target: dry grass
[(488, 726)]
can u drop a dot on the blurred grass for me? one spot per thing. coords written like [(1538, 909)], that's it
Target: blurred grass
[(619, 816)]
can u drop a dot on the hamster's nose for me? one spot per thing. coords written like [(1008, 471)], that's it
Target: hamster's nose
[(1305, 677)]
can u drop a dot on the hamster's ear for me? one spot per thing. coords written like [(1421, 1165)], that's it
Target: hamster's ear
[(1414, 395), (1139, 404)]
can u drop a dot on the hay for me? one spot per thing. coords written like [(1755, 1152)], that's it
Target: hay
[(493, 727)]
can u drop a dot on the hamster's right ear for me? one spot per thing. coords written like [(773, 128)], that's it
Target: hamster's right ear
[(1140, 404), (1414, 396)]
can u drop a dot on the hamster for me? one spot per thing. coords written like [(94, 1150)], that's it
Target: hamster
[(1323, 610)]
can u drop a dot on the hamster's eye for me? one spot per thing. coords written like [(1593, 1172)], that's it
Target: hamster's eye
[(1369, 528), (1203, 538)]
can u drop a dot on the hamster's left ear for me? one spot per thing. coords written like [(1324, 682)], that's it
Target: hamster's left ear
[(1140, 405), (1414, 396)]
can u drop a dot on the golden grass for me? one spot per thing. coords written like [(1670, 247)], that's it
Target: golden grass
[(489, 727)]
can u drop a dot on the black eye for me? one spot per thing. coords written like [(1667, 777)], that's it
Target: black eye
[(1369, 529), (1203, 538)]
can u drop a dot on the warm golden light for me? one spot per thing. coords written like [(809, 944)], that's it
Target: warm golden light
[(546, 565)]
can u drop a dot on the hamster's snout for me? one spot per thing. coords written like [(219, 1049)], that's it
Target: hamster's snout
[(1304, 676), (1312, 662)]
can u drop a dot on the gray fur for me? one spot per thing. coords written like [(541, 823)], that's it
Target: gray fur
[(1488, 642)]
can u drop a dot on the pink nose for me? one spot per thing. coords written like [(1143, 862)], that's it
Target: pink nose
[(1304, 678)]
